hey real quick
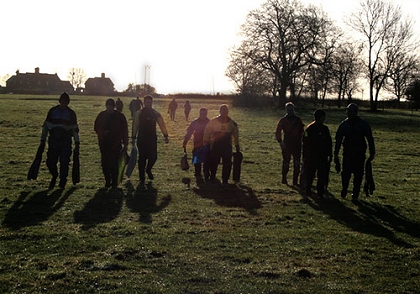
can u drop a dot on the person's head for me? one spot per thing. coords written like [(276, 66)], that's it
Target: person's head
[(224, 111), (352, 109), (203, 113), (110, 105), (290, 108), (64, 99), (148, 101), (319, 115)]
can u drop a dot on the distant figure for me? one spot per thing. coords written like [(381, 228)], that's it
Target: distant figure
[(135, 105), (173, 105), (187, 109), (291, 144), (61, 126), (219, 133), (119, 105), (112, 130), (353, 133), (197, 128), (144, 130), (317, 153)]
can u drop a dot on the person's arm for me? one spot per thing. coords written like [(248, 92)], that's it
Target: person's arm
[(124, 130), (371, 142), (188, 135), (135, 127), (279, 130), (207, 133)]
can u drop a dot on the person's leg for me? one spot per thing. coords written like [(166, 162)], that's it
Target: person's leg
[(151, 155), (322, 177), (309, 176), (113, 165), (358, 176), (53, 154), (142, 158), (285, 167), (345, 175), (213, 162), (296, 153), (65, 154)]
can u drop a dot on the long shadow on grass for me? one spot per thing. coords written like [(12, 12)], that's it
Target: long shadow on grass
[(230, 196), (369, 218), (38, 208), (144, 201), (102, 208)]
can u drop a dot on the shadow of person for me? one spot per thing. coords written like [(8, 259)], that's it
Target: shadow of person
[(102, 208), (38, 208), (390, 217), (230, 196), (362, 220), (144, 201)]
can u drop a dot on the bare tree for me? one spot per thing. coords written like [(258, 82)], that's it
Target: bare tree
[(386, 34), (248, 76), (403, 72), (284, 37), (346, 67), (77, 77)]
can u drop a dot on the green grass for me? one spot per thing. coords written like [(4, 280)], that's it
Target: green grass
[(175, 237)]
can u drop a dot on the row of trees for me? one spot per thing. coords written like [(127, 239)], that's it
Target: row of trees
[(290, 48)]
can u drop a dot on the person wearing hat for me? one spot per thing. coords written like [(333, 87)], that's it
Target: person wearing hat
[(144, 131), (317, 154), (291, 126), (112, 130), (60, 127), (353, 133)]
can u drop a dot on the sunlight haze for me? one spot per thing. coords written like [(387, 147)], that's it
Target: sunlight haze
[(185, 43)]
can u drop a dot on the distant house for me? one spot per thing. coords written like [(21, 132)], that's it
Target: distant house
[(99, 86), (37, 83)]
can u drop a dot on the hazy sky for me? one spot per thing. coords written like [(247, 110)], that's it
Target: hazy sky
[(185, 42)]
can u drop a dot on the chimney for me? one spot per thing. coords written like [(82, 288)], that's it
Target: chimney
[(37, 70), (103, 75)]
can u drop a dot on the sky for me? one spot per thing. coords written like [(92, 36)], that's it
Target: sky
[(177, 46)]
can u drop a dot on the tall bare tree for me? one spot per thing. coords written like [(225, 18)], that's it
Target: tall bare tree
[(346, 67), (284, 37), (386, 34)]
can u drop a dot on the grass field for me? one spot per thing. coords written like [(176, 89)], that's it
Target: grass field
[(177, 236)]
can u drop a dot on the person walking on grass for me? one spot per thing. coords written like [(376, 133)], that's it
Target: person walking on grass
[(173, 105), (187, 109), (60, 127), (197, 128), (135, 105), (219, 133), (112, 130), (144, 134), (289, 134), (317, 154), (119, 105), (353, 133)]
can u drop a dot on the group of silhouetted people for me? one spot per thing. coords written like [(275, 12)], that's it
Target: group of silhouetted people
[(314, 143), (212, 143)]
